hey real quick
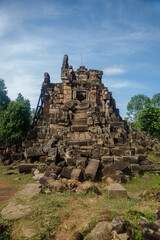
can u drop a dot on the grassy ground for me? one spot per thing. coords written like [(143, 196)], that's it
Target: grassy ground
[(18, 180), (58, 215), (153, 158)]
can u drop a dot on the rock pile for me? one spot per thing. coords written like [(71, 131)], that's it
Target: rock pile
[(78, 129), (135, 226)]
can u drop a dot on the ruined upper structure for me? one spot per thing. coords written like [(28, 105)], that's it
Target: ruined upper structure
[(78, 127)]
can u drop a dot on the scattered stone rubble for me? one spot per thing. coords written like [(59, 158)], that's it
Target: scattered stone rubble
[(78, 131), (121, 228)]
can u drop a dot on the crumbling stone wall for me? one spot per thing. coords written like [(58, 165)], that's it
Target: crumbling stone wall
[(81, 130)]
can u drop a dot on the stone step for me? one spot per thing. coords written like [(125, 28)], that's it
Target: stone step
[(79, 121), (151, 167), (79, 128), (80, 115), (84, 142)]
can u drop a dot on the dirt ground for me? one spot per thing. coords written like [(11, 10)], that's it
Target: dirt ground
[(6, 192)]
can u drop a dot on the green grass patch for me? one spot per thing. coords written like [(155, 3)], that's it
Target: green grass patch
[(46, 214), (142, 183), (152, 157), (50, 210), (17, 180), (117, 205)]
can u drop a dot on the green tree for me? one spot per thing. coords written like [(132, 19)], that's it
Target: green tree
[(15, 120), (4, 99), (135, 105), (156, 100), (149, 120)]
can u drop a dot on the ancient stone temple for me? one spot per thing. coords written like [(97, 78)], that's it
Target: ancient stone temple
[(78, 128)]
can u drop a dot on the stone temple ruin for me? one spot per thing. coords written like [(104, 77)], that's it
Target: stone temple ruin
[(78, 129)]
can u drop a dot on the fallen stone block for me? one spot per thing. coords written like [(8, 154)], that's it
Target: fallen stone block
[(117, 166), (91, 169), (118, 224), (57, 186), (116, 190), (152, 167), (29, 232), (27, 167), (77, 174), (14, 211), (34, 151), (86, 187), (66, 173), (31, 189), (101, 231)]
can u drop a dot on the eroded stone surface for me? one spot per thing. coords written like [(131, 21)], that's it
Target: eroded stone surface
[(102, 231), (91, 170), (87, 187), (31, 189), (14, 211), (116, 190), (57, 186), (118, 224), (29, 232)]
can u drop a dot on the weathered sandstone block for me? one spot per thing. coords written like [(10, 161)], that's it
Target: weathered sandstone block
[(116, 190), (92, 169)]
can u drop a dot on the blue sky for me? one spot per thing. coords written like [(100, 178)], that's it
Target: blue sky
[(120, 37)]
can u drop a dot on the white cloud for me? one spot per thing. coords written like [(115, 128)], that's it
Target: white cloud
[(122, 83), (114, 71), (26, 84)]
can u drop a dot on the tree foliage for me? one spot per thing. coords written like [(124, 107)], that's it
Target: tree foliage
[(15, 120), (136, 104), (156, 100), (149, 120), (4, 99), (144, 113)]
